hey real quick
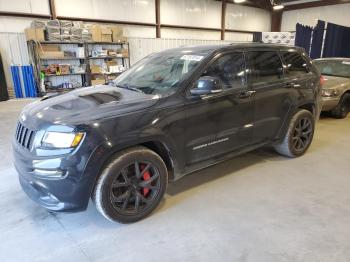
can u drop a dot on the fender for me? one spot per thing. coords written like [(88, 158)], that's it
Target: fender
[(101, 155), (308, 105)]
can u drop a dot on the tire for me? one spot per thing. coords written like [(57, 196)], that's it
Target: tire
[(343, 108), (131, 186), (301, 127)]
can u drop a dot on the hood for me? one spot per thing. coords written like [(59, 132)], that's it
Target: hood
[(84, 105), (335, 82)]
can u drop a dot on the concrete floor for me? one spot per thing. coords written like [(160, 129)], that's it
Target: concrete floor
[(257, 207)]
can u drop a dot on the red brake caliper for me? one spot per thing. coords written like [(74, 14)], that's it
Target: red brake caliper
[(146, 176)]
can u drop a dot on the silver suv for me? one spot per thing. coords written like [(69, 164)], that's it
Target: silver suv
[(336, 87)]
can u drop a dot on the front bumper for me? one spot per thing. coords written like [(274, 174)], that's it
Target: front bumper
[(329, 103), (70, 192)]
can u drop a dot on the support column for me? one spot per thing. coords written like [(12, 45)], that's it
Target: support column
[(223, 19)]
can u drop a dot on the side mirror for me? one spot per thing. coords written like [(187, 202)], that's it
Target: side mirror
[(206, 85)]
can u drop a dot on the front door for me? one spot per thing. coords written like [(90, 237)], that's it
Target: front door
[(220, 123)]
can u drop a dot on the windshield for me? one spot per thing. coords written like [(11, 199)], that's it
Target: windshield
[(333, 68), (160, 73)]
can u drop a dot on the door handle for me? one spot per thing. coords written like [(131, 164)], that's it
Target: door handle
[(246, 94), (292, 85)]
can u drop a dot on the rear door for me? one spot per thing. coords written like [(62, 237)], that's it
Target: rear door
[(272, 96), (298, 75)]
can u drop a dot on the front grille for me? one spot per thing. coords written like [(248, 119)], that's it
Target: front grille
[(24, 136)]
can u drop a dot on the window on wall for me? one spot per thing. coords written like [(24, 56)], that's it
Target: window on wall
[(264, 66), (229, 69), (295, 63)]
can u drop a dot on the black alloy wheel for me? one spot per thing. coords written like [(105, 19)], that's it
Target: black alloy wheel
[(299, 135), (131, 186), (302, 134), (135, 187)]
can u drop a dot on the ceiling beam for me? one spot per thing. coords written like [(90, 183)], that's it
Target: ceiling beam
[(315, 4), (28, 15), (105, 21)]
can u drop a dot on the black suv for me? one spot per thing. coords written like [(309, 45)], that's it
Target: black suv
[(172, 113)]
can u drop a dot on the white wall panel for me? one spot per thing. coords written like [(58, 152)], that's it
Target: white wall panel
[(238, 37), (138, 31), (141, 47), (14, 25), (189, 34), (124, 10), (202, 13), (25, 6), (134, 30), (241, 17), (338, 14)]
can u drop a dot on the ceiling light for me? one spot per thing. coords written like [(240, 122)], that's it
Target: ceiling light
[(239, 1), (278, 7)]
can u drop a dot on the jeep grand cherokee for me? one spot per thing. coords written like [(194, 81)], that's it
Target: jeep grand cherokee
[(172, 113)]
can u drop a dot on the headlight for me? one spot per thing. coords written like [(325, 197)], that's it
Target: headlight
[(330, 92), (61, 140)]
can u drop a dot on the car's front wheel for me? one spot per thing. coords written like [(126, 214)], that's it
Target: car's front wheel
[(131, 186), (299, 135)]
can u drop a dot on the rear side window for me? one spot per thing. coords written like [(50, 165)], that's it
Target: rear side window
[(295, 63), (229, 69), (264, 66)]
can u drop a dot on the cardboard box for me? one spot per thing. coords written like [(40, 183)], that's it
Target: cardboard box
[(95, 69), (106, 35), (64, 69), (112, 52), (111, 65), (36, 34), (95, 31), (98, 82), (51, 54), (123, 52), (117, 32), (49, 48), (80, 52), (106, 38), (120, 39)]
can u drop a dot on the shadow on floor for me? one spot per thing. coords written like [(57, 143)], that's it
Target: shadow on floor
[(228, 167)]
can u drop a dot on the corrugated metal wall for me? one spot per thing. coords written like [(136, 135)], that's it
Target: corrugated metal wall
[(141, 47), (13, 48)]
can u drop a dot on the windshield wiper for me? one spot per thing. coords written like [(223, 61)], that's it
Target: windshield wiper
[(126, 86)]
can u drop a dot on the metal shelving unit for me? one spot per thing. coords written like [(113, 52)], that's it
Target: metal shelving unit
[(70, 74), (125, 60), (63, 58), (86, 77), (108, 57)]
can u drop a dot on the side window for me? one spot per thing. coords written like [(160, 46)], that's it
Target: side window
[(264, 66), (229, 69), (295, 63)]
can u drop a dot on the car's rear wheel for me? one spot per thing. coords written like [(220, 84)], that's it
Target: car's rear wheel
[(131, 186), (299, 135), (343, 108)]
